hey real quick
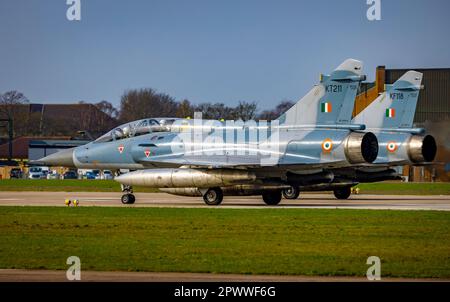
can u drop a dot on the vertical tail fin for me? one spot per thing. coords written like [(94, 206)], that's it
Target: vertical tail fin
[(396, 107), (331, 101)]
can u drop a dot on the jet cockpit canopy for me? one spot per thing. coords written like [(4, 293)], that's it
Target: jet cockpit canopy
[(136, 128)]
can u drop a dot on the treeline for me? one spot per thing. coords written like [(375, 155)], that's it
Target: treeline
[(100, 117), (142, 103)]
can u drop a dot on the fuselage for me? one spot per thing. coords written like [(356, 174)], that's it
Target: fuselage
[(297, 147)]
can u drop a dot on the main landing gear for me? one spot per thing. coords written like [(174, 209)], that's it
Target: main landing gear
[(213, 196), (272, 197), (127, 197), (342, 193), (291, 193)]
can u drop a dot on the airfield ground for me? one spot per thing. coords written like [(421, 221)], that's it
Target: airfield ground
[(165, 237), (286, 241), (306, 200)]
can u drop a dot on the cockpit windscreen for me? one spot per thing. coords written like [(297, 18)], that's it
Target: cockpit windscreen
[(136, 128)]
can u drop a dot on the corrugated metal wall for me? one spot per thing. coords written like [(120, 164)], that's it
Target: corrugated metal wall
[(434, 99)]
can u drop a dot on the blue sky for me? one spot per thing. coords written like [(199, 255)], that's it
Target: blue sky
[(208, 51)]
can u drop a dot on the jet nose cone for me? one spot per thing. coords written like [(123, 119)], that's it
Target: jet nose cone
[(62, 158)]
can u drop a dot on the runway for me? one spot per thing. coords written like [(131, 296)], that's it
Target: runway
[(23, 275), (306, 200)]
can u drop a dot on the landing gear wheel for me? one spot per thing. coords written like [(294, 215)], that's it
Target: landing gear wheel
[(291, 193), (128, 199), (272, 197), (342, 193), (213, 196)]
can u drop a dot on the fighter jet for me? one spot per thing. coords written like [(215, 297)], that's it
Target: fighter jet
[(302, 147), (390, 117)]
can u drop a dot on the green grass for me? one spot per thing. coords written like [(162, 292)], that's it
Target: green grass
[(66, 185), (112, 186), (398, 188), (248, 241)]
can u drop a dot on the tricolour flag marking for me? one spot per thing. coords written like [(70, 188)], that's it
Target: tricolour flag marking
[(390, 112), (325, 107)]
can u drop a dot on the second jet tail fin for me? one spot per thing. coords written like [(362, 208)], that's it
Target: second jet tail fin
[(331, 101), (396, 107)]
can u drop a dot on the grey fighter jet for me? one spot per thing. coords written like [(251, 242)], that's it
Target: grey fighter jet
[(302, 147), (390, 117)]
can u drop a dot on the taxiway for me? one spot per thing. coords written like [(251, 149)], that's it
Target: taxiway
[(306, 200)]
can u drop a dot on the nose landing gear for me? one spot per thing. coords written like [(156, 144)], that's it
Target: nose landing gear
[(127, 197)]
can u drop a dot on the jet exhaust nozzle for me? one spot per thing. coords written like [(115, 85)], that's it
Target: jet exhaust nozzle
[(422, 148), (361, 147), (185, 177)]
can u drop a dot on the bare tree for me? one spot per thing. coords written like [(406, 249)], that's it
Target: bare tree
[(273, 114), (10, 108), (215, 111), (245, 111), (107, 108), (185, 109), (9, 101), (138, 104)]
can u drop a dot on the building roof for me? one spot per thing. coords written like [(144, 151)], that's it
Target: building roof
[(60, 119), (20, 146), (57, 143)]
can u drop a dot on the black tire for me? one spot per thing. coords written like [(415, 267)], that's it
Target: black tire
[(342, 193), (213, 197), (272, 197), (128, 199), (291, 193)]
